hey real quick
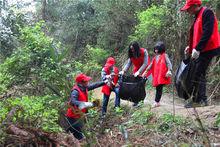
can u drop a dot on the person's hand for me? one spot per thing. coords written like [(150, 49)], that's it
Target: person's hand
[(122, 72), (195, 54), (136, 74), (83, 105), (186, 51), (108, 76), (168, 74)]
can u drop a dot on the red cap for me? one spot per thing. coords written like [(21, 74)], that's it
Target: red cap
[(110, 61), (82, 78), (189, 3)]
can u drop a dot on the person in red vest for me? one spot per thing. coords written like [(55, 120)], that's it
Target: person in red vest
[(161, 71), (204, 44), (78, 104), (139, 58), (110, 72)]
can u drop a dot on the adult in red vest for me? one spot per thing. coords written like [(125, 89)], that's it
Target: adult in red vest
[(161, 71), (78, 104), (204, 44), (110, 73), (139, 58)]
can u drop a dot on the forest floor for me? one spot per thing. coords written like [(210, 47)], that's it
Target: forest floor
[(121, 131)]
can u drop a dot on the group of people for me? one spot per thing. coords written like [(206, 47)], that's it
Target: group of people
[(204, 44)]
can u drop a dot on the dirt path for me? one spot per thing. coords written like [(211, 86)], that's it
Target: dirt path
[(174, 105)]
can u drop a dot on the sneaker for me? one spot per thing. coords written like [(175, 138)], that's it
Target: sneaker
[(192, 104), (204, 103), (135, 105), (156, 104)]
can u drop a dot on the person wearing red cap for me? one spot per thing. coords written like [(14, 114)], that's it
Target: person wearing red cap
[(204, 44), (110, 72), (79, 103), (139, 58)]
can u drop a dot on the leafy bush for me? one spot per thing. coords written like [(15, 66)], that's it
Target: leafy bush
[(140, 117), (37, 112), (217, 122)]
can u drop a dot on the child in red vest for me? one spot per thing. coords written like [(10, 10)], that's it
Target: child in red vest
[(78, 104), (161, 71), (110, 72)]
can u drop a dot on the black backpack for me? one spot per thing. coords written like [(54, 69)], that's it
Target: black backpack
[(132, 88)]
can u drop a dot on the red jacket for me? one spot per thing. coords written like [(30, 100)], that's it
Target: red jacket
[(196, 33), (83, 97), (159, 70), (107, 89), (138, 62)]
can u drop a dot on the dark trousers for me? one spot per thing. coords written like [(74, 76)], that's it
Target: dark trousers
[(199, 83), (106, 100), (159, 91), (75, 127)]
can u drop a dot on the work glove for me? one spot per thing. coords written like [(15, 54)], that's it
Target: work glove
[(121, 73), (108, 76), (195, 54), (136, 74), (83, 105), (168, 74), (186, 51)]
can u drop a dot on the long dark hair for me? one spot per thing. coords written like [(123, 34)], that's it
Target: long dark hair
[(160, 46), (136, 52)]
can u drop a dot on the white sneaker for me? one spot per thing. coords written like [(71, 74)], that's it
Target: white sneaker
[(156, 104)]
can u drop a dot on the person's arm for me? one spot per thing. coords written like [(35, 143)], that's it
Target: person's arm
[(103, 74), (74, 98), (127, 65), (208, 20), (95, 85), (168, 63), (144, 65)]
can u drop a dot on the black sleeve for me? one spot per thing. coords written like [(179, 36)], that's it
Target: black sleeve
[(95, 85), (208, 20)]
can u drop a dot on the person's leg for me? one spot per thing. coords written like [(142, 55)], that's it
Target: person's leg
[(117, 98), (159, 90), (75, 128), (199, 94), (105, 103)]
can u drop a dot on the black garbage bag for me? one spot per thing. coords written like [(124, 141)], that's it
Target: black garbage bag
[(184, 78), (132, 88)]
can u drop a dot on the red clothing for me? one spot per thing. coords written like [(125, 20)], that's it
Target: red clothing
[(159, 70), (83, 97), (107, 89), (196, 33), (138, 62)]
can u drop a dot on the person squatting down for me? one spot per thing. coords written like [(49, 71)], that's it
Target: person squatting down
[(78, 104), (161, 71), (204, 44), (110, 72), (139, 58)]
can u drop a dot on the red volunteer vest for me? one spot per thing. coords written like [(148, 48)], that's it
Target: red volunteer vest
[(83, 97), (106, 89), (138, 62), (159, 70), (196, 33)]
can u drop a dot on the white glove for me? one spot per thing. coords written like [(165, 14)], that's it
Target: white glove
[(106, 81), (195, 54), (121, 72), (136, 74), (83, 105), (186, 51), (108, 76), (168, 74)]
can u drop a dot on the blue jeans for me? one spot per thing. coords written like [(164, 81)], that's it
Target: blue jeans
[(75, 127), (106, 99)]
